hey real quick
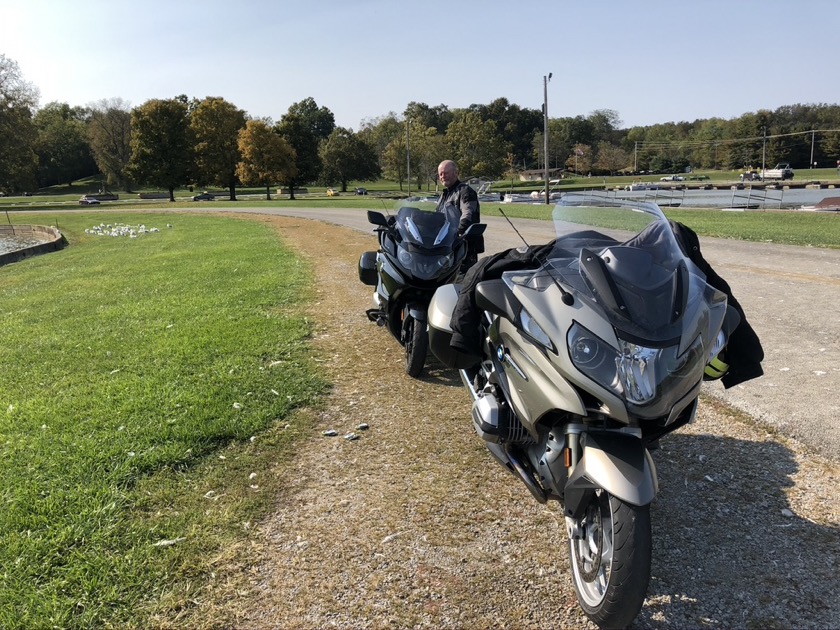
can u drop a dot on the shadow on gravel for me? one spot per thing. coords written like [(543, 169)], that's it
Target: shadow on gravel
[(729, 550), (437, 373)]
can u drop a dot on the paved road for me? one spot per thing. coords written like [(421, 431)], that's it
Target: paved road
[(791, 296)]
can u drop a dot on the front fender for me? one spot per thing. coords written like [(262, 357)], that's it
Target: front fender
[(418, 312), (616, 462)]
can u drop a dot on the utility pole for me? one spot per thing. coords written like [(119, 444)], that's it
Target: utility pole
[(546, 79), (813, 164), (763, 148), (408, 153)]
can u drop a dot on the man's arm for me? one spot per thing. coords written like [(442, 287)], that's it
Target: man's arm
[(469, 208)]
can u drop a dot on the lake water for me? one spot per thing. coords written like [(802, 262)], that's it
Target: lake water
[(769, 199), (14, 243)]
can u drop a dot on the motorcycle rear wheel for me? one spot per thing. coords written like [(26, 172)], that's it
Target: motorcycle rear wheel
[(611, 560), (416, 346)]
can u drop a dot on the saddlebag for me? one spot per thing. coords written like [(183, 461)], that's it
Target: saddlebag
[(367, 268), (440, 331)]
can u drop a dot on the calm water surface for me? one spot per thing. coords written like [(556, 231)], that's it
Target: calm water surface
[(14, 243)]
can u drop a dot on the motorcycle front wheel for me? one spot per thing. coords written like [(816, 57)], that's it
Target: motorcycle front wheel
[(416, 346), (610, 558)]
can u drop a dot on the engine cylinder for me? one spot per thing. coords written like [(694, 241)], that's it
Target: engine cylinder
[(494, 421)]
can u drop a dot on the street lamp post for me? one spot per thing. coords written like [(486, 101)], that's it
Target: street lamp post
[(763, 148), (408, 154), (546, 79)]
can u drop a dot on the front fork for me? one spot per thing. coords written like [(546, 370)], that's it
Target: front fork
[(417, 312), (615, 461)]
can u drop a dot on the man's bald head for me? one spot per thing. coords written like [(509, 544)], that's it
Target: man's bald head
[(448, 173)]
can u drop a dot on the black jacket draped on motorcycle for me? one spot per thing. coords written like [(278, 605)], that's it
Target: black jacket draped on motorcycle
[(744, 351)]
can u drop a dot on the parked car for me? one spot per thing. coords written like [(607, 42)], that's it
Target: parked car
[(88, 201), (205, 196), (361, 191), (672, 178)]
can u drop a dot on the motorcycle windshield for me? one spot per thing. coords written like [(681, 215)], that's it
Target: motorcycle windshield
[(427, 239), (623, 260), (423, 225)]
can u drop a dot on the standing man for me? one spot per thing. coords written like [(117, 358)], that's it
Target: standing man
[(463, 197)]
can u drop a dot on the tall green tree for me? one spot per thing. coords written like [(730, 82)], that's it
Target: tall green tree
[(426, 149), (215, 125), (437, 117), (304, 126), (605, 125), (320, 120), (393, 160), (580, 159), (63, 147), (379, 133), (517, 126), (18, 99), (267, 158), (475, 146), (346, 157), (109, 130), (563, 134), (612, 158), (162, 144)]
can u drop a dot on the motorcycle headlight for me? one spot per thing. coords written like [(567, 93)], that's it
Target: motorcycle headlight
[(636, 373), (404, 256), (594, 357), (445, 261)]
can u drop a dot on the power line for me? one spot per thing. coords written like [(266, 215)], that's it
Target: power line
[(688, 144)]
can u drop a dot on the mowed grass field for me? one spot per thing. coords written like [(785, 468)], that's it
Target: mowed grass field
[(147, 383)]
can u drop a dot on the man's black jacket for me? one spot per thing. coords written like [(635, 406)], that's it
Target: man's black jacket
[(463, 197)]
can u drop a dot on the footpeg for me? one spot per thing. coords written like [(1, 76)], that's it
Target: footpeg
[(375, 315)]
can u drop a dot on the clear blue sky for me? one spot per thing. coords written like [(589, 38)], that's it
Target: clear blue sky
[(651, 61)]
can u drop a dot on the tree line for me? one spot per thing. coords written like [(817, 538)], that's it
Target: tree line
[(177, 142)]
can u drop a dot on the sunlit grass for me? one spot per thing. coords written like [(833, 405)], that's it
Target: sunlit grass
[(130, 368)]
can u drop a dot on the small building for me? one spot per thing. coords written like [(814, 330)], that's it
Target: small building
[(538, 175)]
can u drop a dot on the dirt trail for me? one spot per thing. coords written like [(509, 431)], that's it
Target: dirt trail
[(413, 525)]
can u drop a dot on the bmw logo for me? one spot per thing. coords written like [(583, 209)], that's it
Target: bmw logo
[(500, 353)]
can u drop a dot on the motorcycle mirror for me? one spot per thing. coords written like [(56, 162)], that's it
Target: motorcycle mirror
[(495, 297), (476, 229), (377, 218)]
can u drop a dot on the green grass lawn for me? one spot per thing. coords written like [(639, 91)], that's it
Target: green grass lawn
[(144, 380)]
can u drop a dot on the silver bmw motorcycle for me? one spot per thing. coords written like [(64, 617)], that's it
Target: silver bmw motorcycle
[(588, 350)]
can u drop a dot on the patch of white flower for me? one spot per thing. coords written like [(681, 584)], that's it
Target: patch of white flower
[(120, 229)]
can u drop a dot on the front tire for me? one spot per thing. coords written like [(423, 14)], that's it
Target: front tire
[(416, 346), (610, 558)]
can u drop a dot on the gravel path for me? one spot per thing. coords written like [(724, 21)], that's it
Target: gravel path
[(414, 526)]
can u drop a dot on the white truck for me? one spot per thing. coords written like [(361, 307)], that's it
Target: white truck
[(782, 171)]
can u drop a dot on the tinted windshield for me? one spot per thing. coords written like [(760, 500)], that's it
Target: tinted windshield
[(422, 225), (623, 258)]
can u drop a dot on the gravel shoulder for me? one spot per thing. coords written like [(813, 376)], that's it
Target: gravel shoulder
[(414, 526)]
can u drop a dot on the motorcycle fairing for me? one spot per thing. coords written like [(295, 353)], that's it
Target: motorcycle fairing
[(647, 307)]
